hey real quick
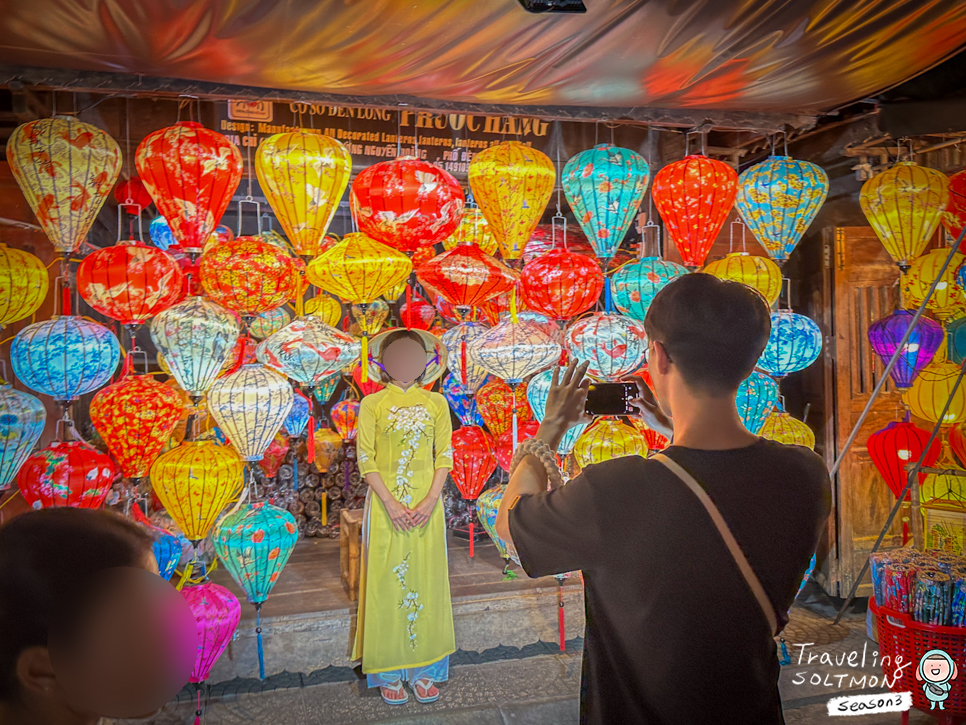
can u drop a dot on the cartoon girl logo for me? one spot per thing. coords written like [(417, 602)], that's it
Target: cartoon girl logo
[(936, 671)]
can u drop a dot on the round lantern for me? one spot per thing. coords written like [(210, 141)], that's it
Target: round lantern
[(345, 416), (794, 344), (778, 199), (194, 483), (65, 357), (254, 543), (695, 196), (65, 169), (217, 612), (505, 447), (461, 402), (947, 300), (22, 419), (359, 269), (135, 417), (191, 173), (23, 284), (604, 187), (905, 205), (416, 313), (304, 176), (473, 460), (497, 402), (756, 399), (270, 322), (931, 389), (328, 444), (472, 229), (954, 219), (457, 340), (614, 345), (943, 489), (781, 427), (897, 446), (635, 285), (561, 284), (512, 183), (956, 340), (538, 390), (326, 308), (167, 546), (466, 276), (160, 233), (132, 193), (370, 318), (513, 350), (196, 338), (406, 203), (925, 339), (250, 407), (608, 438), (129, 282), (759, 273), (66, 473), (298, 417), (487, 507), (248, 275), (308, 351)]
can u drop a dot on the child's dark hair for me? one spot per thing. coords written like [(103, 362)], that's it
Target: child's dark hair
[(44, 554), (390, 339)]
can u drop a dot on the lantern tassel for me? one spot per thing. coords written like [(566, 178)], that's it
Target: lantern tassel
[(560, 614), (463, 360), (364, 360), (513, 306), (472, 532), (310, 440), (409, 307), (198, 708), (325, 510), (607, 299), (65, 307), (258, 637), (514, 439)]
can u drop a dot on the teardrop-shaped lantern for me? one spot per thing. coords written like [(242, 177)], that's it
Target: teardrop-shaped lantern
[(250, 407), (794, 344), (512, 183), (22, 419), (473, 229), (954, 219), (473, 460), (248, 275), (614, 345), (932, 388), (66, 473), (538, 390), (497, 402), (695, 196), (898, 445), (756, 399), (905, 205), (778, 199), (604, 187), (487, 508), (323, 391), (304, 176), (298, 417), (513, 351), (466, 276), (217, 612), (359, 269), (65, 169), (345, 417), (23, 284), (269, 322), (461, 401), (947, 299), (561, 284), (370, 317), (635, 285), (254, 543), (308, 351), (326, 307), (191, 173), (606, 439), (417, 313), (457, 341), (926, 337), (328, 445), (759, 273), (781, 427)]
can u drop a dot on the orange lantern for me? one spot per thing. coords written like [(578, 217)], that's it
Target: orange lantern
[(23, 284), (561, 284), (606, 439), (328, 444), (466, 276), (496, 401), (66, 473), (248, 275)]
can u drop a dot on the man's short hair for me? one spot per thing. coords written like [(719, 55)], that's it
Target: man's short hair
[(713, 330)]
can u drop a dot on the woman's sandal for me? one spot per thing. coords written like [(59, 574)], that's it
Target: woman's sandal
[(432, 693), (397, 695)]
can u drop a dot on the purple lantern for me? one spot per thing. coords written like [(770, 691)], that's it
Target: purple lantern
[(925, 339)]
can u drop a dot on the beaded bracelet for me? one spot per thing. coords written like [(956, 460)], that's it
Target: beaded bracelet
[(541, 451)]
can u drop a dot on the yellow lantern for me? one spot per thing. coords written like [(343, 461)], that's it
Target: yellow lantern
[(780, 426), (304, 176), (905, 206), (370, 318), (932, 388), (512, 183), (757, 272), (947, 300), (944, 490), (606, 439), (328, 308), (195, 482), (23, 284), (359, 269), (473, 229)]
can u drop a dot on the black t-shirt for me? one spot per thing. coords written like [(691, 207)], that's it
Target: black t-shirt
[(674, 633)]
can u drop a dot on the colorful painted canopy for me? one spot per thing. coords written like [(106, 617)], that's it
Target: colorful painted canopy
[(538, 390), (756, 399), (298, 416), (216, 611), (759, 273), (248, 275), (497, 401), (23, 284), (604, 187), (22, 419), (794, 344), (930, 391), (269, 322), (780, 426), (954, 219), (514, 350), (473, 460), (635, 285), (308, 351), (561, 284), (948, 299), (778, 199), (250, 406), (461, 402), (487, 507), (359, 269), (345, 416), (466, 276), (65, 169), (614, 345), (64, 357), (304, 176), (66, 473), (472, 229), (608, 438), (926, 337), (898, 445)]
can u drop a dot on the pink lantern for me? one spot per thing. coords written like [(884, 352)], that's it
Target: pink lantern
[(216, 612)]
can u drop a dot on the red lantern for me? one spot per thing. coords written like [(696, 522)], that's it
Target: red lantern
[(248, 275), (372, 385), (496, 400), (504, 445), (954, 219), (897, 446), (695, 196), (957, 443), (132, 193), (473, 460), (274, 455), (406, 203), (466, 276), (417, 313), (130, 281), (67, 473), (191, 173), (655, 441), (561, 284)]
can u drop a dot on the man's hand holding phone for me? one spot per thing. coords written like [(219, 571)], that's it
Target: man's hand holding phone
[(648, 410)]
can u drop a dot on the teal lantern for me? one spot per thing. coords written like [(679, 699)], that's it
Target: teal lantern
[(22, 419), (538, 389), (604, 186), (757, 397), (956, 340), (634, 285), (323, 391), (778, 199), (794, 344)]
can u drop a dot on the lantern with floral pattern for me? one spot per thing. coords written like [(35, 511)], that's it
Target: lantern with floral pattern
[(473, 460), (606, 439), (457, 340), (359, 269), (217, 612), (23, 284), (505, 445), (614, 345), (345, 417), (472, 229), (954, 219), (22, 419), (513, 351), (466, 276), (497, 403), (635, 285), (248, 275), (461, 401), (756, 399), (308, 351), (561, 284), (66, 473), (794, 344)]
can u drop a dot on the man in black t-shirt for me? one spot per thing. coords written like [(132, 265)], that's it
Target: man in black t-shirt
[(675, 634)]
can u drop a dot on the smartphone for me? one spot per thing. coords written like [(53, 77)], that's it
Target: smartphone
[(610, 398)]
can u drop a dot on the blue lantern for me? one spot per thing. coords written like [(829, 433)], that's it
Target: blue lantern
[(65, 357), (22, 419), (794, 344), (604, 186), (538, 389), (456, 340), (161, 233), (778, 199), (634, 285), (298, 417), (167, 552), (757, 397), (460, 401)]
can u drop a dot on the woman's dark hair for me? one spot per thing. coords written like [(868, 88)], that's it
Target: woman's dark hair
[(45, 555), (390, 339), (713, 330)]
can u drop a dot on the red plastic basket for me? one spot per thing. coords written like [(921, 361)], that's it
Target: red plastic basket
[(900, 634)]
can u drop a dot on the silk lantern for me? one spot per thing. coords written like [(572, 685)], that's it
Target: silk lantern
[(794, 344), (66, 473), (905, 205), (191, 173), (304, 176), (248, 275), (23, 284), (635, 285), (944, 490), (655, 441), (604, 187), (135, 417), (298, 417), (65, 169), (947, 300), (472, 229), (931, 389), (695, 196), (497, 403), (130, 282), (759, 273), (781, 427), (274, 456), (488, 506), (308, 351), (561, 284), (416, 313), (370, 386), (197, 338), (756, 399), (538, 391), (505, 445), (65, 357), (22, 419), (898, 445), (269, 322), (778, 199), (132, 193), (406, 203), (608, 438), (194, 482), (323, 391), (954, 219), (473, 464), (924, 340), (328, 444), (326, 308), (461, 401), (167, 546), (956, 340), (466, 276), (345, 418), (160, 233), (217, 612), (456, 340), (512, 183), (370, 317), (561, 236), (614, 345), (250, 407), (513, 350)]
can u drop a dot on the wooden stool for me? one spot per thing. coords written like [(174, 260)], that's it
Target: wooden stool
[(350, 551)]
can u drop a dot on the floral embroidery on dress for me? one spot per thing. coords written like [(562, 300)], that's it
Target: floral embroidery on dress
[(361, 455), (446, 453), (411, 422), (410, 600)]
